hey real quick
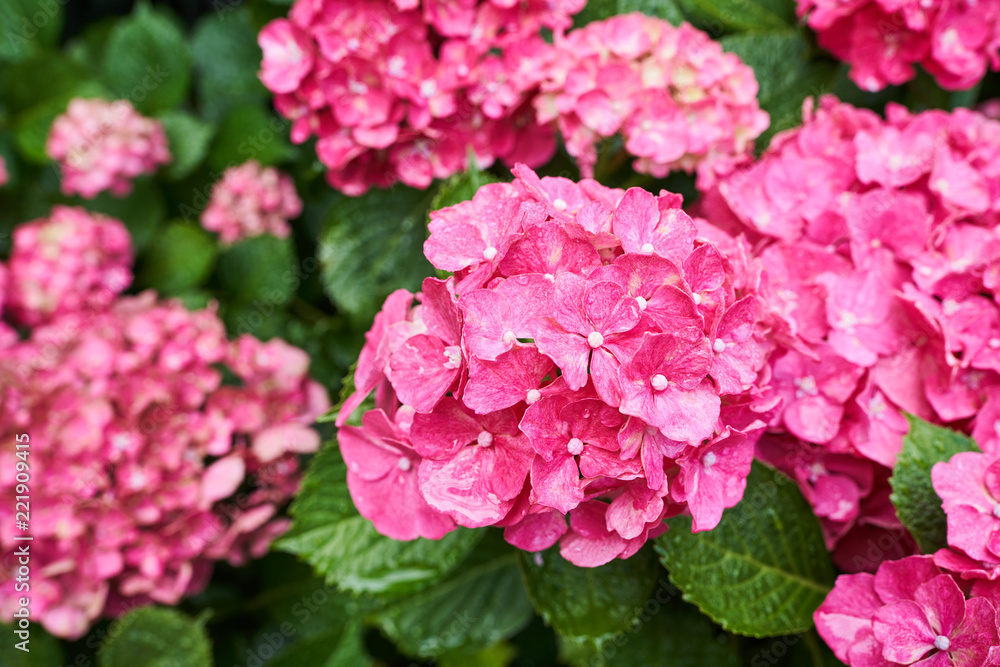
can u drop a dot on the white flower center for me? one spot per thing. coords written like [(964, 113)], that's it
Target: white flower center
[(806, 386), (404, 464), (428, 88), (595, 339), (697, 299), (453, 356), (533, 396), (647, 249), (994, 343), (575, 446), (942, 643), (709, 460), (642, 302), (509, 337), (996, 510), (658, 381), (489, 253), (719, 345), (559, 204), (485, 439)]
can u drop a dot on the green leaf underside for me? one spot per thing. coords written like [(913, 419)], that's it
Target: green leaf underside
[(157, 637), (588, 602), (763, 570), (913, 496), (344, 547)]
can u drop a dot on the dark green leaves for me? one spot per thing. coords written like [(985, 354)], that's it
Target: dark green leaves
[(372, 245), (156, 637), (259, 270), (588, 602), (226, 59), (147, 61), (43, 648), (188, 139), (250, 133), (329, 533), (916, 503), (597, 10), (763, 570), (29, 26), (182, 258), (482, 603)]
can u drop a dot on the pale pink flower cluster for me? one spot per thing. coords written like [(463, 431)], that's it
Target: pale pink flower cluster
[(403, 90), (678, 100), (249, 201), (593, 356), (145, 464), (101, 145), (71, 261), (881, 243), (911, 612), (882, 40)]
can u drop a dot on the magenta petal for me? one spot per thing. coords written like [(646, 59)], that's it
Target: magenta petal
[(460, 487), (396, 507), (898, 580), (371, 451), (556, 483), (499, 384), (635, 219), (969, 530), (903, 629), (421, 371), (444, 431), (943, 603), (629, 513), (970, 644), (440, 312), (536, 532), (844, 618)]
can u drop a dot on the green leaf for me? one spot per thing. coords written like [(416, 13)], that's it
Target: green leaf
[(147, 61), (341, 545), (226, 60), (29, 27), (43, 648), (250, 133), (763, 570), (143, 210), (592, 602), (188, 139), (461, 187), (781, 63), (482, 603), (663, 634), (913, 496), (500, 654), (259, 271), (598, 10), (181, 258), (372, 245), (719, 17), (156, 637)]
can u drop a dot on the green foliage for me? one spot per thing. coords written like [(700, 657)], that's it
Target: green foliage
[(603, 599), (372, 245), (249, 133), (259, 269), (188, 138), (719, 17), (460, 187), (185, 254), (29, 27), (226, 59), (341, 545), (147, 61), (763, 570), (156, 637), (597, 10), (913, 496), (142, 211), (43, 648), (482, 603)]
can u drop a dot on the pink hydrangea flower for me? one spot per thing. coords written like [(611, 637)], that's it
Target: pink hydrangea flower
[(590, 346), (880, 252), (70, 262), (678, 101), (4, 176), (403, 91), (139, 454), (908, 612), (969, 487), (883, 40), (103, 146), (249, 201)]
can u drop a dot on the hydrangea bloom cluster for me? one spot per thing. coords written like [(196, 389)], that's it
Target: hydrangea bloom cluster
[(954, 40), (969, 486), (676, 98), (146, 465), (879, 238), (101, 145), (911, 612), (592, 356), (249, 201), (71, 261), (401, 90)]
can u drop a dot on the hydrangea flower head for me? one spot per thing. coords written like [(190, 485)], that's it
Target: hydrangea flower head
[(103, 146), (678, 101), (402, 91), (879, 241), (70, 262), (249, 201), (882, 40), (146, 468), (593, 355)]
